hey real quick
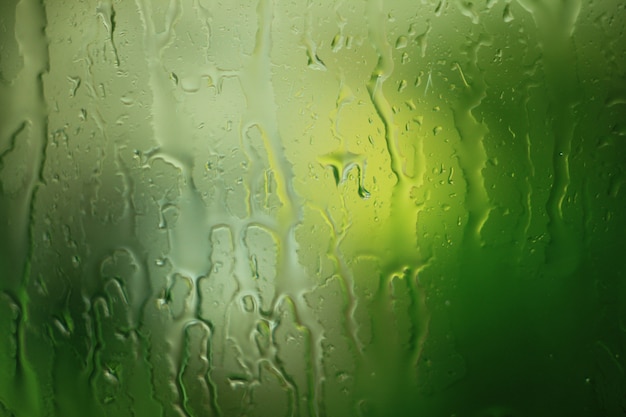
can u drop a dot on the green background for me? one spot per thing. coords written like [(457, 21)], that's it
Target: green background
[(312, 208)]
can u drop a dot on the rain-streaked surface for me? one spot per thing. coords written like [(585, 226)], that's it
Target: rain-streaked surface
[(312, 208)]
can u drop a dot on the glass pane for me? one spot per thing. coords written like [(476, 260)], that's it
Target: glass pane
[(312, 208)]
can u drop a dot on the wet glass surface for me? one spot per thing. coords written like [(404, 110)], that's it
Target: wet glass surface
[(312, 208)]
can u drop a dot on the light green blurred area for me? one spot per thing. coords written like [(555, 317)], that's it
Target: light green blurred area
[(350, 208)]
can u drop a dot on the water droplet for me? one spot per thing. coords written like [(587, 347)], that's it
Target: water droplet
[(507, 15), (191, 84), (401, 42), (314, 62), (75, 84), (127, 100), (248, 303), (47, 239), (336, 43), (363, 193)]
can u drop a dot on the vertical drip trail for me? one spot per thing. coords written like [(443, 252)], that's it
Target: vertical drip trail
[(382, 71), (402, 260), (314, 61), (342, 161), (401, 230), (338, 234), (561, 239), (256, 82), (556, 24), (530, 175), (30, 104), (188, 239), (472, 155), (559, 253), (106, 12), (399, 235)]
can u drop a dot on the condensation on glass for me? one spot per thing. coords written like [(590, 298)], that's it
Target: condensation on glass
[(312, 208)]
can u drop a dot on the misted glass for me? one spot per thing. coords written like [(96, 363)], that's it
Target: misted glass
[(312, 208)]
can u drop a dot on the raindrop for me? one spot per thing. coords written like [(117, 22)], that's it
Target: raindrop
[(401, 42), (507, 15)]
